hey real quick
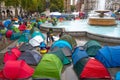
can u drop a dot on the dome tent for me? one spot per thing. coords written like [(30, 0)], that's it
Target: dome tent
[(35, 41), (3, 31), (9, 33), (61, 44), (14, 70), (117, 76), (67, 52), (109, 56), (60, 54), (85, 70), (70, 39), (78, 54), (6, 23), (12, 54), (26, 46), (30, 57), (37, 33), (24, 38), (92, 47), (50, 66), (15, 36)]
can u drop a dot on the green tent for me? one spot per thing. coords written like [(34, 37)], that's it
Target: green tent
[(59, 53), (50, 66), (70, 39), (3, 31), (92, 47), (15, 29), (79, 66)]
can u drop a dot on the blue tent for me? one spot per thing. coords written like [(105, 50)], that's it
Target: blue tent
[(20, 18), (61, 44), (33, 20), (37, 33), (24, 38), (109, 56), (6, 23), (38, 24), (117, 76), (78, 54)]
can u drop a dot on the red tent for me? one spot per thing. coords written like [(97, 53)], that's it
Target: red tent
[(13, 54), (9, 33), (16, 70), (22, 27), (94, 69)]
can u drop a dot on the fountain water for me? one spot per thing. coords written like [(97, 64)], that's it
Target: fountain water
[(101, 20), (101, 5)]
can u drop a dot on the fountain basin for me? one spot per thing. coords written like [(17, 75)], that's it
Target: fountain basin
[(102, 21), (102, 11), (81, 28)]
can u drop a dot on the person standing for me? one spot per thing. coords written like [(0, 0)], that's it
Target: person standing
[(50, 36)]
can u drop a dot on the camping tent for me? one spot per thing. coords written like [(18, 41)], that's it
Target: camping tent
[(37, 33), (9, 33), (3, 31), (78, 54), (22, 27), (30, 57), (91, 68), (117, 76), (6, 23), (109, 56), (70, 39), (61, 44), (35, 41), (26, 46), (67, 52), (50, 66), (14, 70), (59, 53), (12, 54), (15, 36), (92, 47), (24, 38)]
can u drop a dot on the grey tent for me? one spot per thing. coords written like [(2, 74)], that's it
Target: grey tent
[(30, 57), (26, 46), (66, 50)]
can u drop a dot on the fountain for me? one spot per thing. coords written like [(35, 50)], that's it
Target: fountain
[(81, 28), (101, 20)]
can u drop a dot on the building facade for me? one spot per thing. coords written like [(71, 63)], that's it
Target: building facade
[(67, 6), (88, 5)]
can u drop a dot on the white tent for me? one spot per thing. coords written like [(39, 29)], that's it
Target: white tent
[(55, 13), (75, 13), (35, 41)]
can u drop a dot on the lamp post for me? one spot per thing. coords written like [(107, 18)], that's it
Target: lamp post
[(47, 7)]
